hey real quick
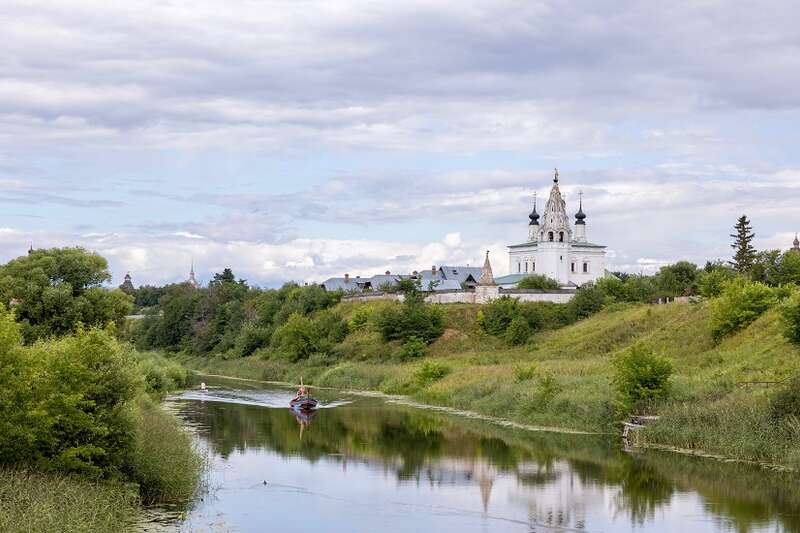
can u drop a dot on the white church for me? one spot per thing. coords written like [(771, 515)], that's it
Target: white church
[(556, 250)]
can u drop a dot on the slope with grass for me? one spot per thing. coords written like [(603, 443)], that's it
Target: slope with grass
[(562, 378)]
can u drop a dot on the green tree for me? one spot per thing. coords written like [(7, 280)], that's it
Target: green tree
[(710, 283), (790, 313), (518, 331), (744, 254), (678, 279), (739, 304), (538, 281), (640, 376), (52, 291), (587, 301)]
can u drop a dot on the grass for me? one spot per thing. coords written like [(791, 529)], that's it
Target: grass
[(44, 503), (165, 463), (561, 378)]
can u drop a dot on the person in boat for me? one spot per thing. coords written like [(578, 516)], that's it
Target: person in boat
[(300, 393)]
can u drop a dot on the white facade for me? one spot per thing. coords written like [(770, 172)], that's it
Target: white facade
[(556, 248)]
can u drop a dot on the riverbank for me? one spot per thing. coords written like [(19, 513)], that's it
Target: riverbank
[(561, 378)]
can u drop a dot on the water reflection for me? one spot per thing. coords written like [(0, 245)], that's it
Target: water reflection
[(368, 465)]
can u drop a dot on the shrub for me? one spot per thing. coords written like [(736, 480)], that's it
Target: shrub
[(410, 319), (548, 388), (786, 402), (546, 315), (613, 288), (518, 331), (297, 338), (587, 301), (360, 318), (640, 375), (790, 313), (740, 303), (65, 403), (430, 372), (413, 348), (525, 372), (538, 281), (498, 314), (711, 283), (251, 338)]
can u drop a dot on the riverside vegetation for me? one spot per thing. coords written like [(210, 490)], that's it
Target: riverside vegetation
[(83, 441), (585, 365)]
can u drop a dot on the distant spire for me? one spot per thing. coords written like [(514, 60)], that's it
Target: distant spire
[(487, 278), (555, 176), (796, 244), (30, 250), (192, 281)]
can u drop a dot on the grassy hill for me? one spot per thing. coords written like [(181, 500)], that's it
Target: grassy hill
[(561, 378)]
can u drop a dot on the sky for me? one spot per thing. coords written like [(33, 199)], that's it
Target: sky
[(305, 139)]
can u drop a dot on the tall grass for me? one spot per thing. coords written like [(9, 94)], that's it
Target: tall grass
[(57, 503), (165, 462)]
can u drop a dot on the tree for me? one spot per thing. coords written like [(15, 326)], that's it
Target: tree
[(538, 281), (744, 253), (678, 279), (54, 290)]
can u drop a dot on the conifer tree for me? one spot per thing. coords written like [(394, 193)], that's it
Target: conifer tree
[(744, 254)]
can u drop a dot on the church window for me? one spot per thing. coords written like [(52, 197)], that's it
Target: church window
[(572, 267), (550, 236), (526, 267), (519, 268), (533, 266), (585, 268), (560, 236)]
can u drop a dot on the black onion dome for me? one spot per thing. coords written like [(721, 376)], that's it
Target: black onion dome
[(534, 216), (580, 216)]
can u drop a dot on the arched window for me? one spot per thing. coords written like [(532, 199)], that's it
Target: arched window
[(572, 267), (526, 267), (560, 236), (519, 268), (550, 236), (585, 268), (533, 266)]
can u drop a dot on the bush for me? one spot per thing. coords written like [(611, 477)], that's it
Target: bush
[(548, 388), (538, 281), (498, 314), (410, 319), (518, 331), (430, 372), (65, 403), (525, 372), (251, 338), (613, 289), (360, 318), (641, 376), (740, 303), (786, 402), (711, 283), (546, 315), (413, 348), (790, 313), (587, 301), (297, 338)]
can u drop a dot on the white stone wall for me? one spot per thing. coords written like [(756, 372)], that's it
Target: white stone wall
[(484, 295)]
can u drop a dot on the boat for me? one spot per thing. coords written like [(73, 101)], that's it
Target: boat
[(303, 403)]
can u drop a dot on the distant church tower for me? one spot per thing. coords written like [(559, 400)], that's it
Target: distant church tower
[(556, 250), (795, 245), (127, 285), (192, 281)]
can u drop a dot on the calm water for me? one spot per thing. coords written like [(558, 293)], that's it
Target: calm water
[(365, 464)]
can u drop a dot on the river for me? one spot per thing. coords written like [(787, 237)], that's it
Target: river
[(368, 464)]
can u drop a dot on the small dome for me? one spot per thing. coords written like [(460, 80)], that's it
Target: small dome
[(580, 216), (534, 216)]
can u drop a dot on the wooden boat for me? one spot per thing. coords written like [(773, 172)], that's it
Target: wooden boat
[(303, 403)]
